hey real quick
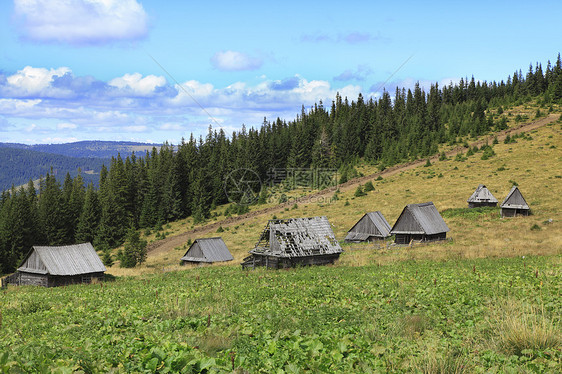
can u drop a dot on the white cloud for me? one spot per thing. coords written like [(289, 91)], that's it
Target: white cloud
[(56, 139), (31, 81), (135, 128), (66, 126), (235, 61), (137, 85), (149, 105), (81, 22), (15, 106), (171, 127)]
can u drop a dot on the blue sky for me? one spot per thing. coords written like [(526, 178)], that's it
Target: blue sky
[(98, 69)]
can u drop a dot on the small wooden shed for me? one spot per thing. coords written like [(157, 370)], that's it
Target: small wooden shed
[(60, 266), (419, 222), (295, 241), (514, 204), (372, 226), (207, 250), (482, 197)]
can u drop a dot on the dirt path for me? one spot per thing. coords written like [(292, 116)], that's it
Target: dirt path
[(171, 242)]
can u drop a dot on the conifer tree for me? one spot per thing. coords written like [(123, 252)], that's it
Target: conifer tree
[(89, 219)]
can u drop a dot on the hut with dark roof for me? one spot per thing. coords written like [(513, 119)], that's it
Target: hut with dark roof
[(295, 241), (372, 226), (419, 222), (514, 204), (207, 250), (60, 266), (482, 197)]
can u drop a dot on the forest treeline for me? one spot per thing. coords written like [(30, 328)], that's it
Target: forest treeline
[(20, 165), (187, 180)]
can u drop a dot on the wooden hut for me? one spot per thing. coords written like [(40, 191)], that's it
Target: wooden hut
[(372, 226), (482, 197), (60, 266), (207, 250), (419, 222), (295, 241), (514, 204)]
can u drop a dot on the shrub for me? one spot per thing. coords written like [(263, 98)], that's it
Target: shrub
[(134, 252), (535, 227), (488, 152), (442, 156), (369, 186), (459, 157), (379, 178), (220, 229), (107, 259), (427, 163), (359, 191)]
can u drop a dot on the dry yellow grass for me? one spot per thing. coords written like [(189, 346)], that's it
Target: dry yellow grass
[(534, 164), (518, 328)]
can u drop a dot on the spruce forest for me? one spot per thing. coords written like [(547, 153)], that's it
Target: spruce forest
[(187, 179)]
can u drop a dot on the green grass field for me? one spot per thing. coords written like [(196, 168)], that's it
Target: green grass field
[(482, 315)]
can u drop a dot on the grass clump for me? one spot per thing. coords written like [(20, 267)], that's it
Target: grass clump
[(522, 329), (446, 362)]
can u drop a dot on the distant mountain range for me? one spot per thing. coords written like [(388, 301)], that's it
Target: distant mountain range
[(89, 148), (21, 162)]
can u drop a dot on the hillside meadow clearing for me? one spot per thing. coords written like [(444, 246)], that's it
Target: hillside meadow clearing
[(532, 161), (488, 300)]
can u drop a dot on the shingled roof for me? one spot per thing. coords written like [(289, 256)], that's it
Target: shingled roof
[(514, 200), (208, 250), (298, 237), (372, 224), (482, 195), (420, 219), (63, 260)]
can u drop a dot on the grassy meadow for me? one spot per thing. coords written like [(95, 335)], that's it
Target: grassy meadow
[(487, 300), (426, 316), (532, 161)]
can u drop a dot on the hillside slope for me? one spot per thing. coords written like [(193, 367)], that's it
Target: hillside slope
[(21, 162), (18, 166), (532, 163)]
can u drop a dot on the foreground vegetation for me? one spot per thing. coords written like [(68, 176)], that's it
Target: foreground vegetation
[(496, 315)]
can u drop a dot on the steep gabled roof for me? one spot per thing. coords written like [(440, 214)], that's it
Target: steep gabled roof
[(371, 224), (482, 195), (514, 200), (208, 250), (420, 219), (63, 260), (298, 237)]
